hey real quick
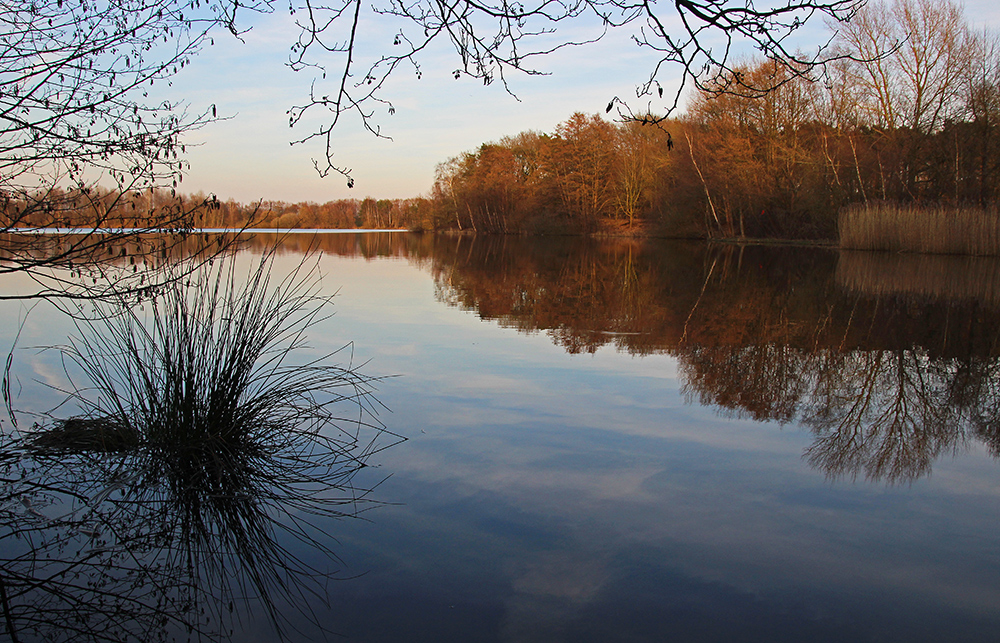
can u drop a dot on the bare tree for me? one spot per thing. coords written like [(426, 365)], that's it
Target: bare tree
[(910, 59), (84, 144), (983, 107), (494, 38)]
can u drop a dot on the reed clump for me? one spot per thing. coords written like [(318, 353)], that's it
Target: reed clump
[(211, 365), (927, 228), (229, 442)]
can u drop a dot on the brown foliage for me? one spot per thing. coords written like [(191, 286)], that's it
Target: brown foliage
[(911, 114)]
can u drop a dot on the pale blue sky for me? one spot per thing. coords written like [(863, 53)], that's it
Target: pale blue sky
[(248, 157)]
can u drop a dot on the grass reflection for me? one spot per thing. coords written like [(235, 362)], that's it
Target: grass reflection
[(195, 483)]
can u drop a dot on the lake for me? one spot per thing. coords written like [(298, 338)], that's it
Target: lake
[(605, 440)]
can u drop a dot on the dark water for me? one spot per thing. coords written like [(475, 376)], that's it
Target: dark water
[(624, 441)]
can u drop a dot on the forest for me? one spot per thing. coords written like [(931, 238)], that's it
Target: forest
[(899, 133), (907, 115)]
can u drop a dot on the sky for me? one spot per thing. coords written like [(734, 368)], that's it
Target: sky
[(247, 156)]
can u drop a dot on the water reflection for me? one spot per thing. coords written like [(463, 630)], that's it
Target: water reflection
[(941, 277), (887, 377), (891, 361), (195, 486), (554, 497)]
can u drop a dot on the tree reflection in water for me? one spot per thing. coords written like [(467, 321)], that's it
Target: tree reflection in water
[(886, 415), (889, 366), (193, 487)]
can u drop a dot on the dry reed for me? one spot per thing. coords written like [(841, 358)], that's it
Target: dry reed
[(937, 229)]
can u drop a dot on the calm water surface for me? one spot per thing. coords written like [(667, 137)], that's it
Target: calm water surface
[(651, 441)]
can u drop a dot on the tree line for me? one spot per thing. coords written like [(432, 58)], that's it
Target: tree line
[(369, 213), (98, 207), (909, 112)]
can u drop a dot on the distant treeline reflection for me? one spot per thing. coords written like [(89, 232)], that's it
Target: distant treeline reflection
[(889, 363)]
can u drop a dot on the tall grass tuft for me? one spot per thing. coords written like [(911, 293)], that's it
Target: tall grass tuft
[(224, 446), (209, 364), (938, 229)]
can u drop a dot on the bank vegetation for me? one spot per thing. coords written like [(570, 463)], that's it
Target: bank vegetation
[(908, 117), (895, 145)]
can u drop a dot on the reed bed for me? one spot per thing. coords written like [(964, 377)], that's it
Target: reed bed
[(936, 229)]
